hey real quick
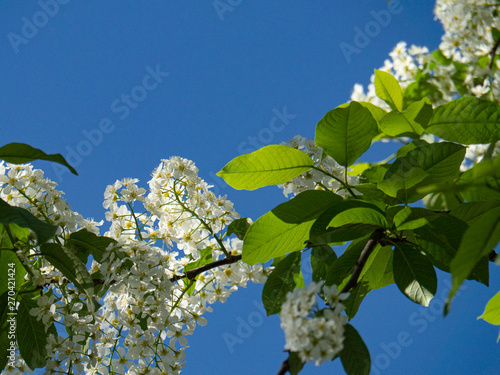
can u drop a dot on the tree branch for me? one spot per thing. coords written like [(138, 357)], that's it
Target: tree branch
[(285, 366), (370, 245), (195, 272), (191, 274), (493, 53)]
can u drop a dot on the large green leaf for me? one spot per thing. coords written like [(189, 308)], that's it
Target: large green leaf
[(410, 218), (409, 122), (376, 273), (467, 120), (295, 363), (285, 228), (21, 153), (340, 271), (346, 133), (479, 239), (285, 277), (270, 165), (72, 268), (414, 274), (355, 356), (32, 335), (427, 164), (440, 239), (17, 215), (419, 90), (321, 258), (356, 296), (322, 231), (387, 88), (481, 182), (359, 215)]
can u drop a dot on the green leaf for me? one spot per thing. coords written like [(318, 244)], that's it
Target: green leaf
[(285, 277), (239, 227), (377, 273), (346, 133), (480, 183), (401, 179), (206, 257), (359, 215), (491, 313), (321, 234), (483, 61), (340, 271), (286, 228), (439, 201), (495, 34), (355, 356), (419, 90), (17, 215), (87, 243), (409, 122), (441, 58), (427, 164), (32, 335), (270, 165), (356, 296), (410, 218), (321, 258), (414, 274), (440, 239), (72, 268), (295, 363), (377, 112), (479, 239), (21, 153), (467, 120), (387, 88)]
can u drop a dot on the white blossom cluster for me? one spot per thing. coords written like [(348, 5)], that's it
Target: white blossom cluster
[(315, 335), (150, 307), (329, 177)]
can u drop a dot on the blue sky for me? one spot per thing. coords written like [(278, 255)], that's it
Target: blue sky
[(116, 86)]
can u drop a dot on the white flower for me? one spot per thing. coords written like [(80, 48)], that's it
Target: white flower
[(315, 335)]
